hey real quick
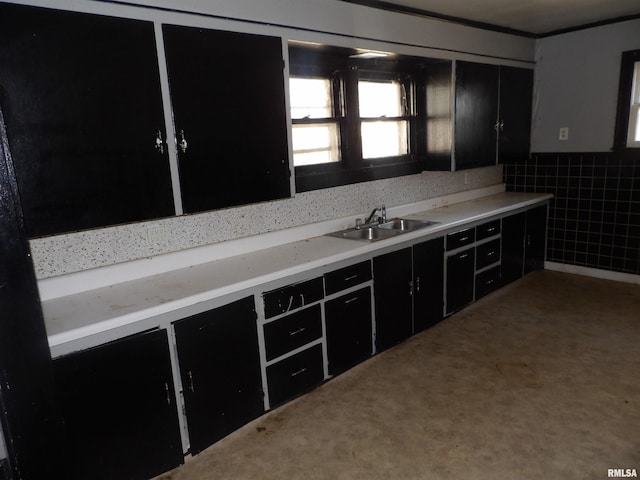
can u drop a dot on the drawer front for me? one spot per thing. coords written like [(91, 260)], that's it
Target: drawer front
[(292, 331), (291, 297), (487, 253), (488, 229), (295, 375), (461, 238), (347, 277), (487, 281)]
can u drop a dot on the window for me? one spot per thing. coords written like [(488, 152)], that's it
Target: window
[(354, 118), (627, 133), (315, 135)]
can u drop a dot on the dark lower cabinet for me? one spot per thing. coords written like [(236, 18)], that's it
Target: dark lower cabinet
[(393, 277), (349, 330), (535, 239), (460, 279), (82, 99), (118, 405), (295, 375), (513, 232), (220, 371), (428, 283)]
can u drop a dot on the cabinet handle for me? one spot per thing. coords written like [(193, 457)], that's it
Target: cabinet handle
[(417, 284), (350, 300), (464, 255), (191, 389), (499, 126), (296, 332), (298, 372), (351, 277), (489, 230), (159, 146), (464, 239), (166, 388), (491, 253), (489, 282), (182, 144)]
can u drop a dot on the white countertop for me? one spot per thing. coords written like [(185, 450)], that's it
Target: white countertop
[(73, 317)]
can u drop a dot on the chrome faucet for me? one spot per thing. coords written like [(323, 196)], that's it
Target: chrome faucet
[(381, 219)]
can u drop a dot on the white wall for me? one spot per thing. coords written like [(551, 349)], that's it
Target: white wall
[(576, 86), (328, 21)]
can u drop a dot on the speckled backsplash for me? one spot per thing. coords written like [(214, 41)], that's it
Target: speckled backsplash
[(85, 250)]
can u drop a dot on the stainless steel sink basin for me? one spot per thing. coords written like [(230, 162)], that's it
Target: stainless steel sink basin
[(369, 234), (405, 224), (372, 233)]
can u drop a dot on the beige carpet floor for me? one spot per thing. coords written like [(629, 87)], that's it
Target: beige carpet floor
[(540, 380)]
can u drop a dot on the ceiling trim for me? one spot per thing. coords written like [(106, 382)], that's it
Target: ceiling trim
[(392, 7)]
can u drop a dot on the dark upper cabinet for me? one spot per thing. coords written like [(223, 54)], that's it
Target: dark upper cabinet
[(227, 94), (476, 114), (119, 409), (220, 371), (82, 102), (516, 99), (428, 286), (393, 276)]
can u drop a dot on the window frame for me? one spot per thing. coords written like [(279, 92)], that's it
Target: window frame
[(322, 60), (623, 115)]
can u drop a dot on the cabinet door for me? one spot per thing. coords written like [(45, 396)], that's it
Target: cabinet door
[(460, 279), (535, 239), (516, 96), (476, 114), (513, 231), (81, 95), (118, 405), (428, 283), (220, 371), (227, 93), (392, 276), (349, 330)]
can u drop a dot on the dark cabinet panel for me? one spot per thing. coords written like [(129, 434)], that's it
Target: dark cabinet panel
[(349, 330), (428, 283), (476, 113), (284, 299), (83, 106), (487, 253), (392, 274), (292, 331), (461, 238), (487, 282), (535, 239), (516, 97), (118, 405), (513, 232), (220, 371), (347, 277), (488, 229), (295, 375), (227, 93), (460, 279)]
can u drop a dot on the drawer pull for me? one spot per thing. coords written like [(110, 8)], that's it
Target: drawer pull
[(298, 372), (463, 239), (350, 300), (296, 332), (489, 230), (488, 282), (465, 255), (491, 253), (351, 277)]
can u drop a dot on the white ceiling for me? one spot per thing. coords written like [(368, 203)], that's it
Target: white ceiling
[(533, 16)]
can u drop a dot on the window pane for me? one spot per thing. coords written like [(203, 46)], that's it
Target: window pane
[(380, 99), (384, 139), (310, 97), (313, 144)]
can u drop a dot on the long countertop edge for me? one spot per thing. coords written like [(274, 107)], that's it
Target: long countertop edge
[(352, 249)]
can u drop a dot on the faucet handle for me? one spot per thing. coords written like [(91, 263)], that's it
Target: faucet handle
[(383, 214)]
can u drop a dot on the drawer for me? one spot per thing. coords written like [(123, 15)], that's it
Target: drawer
[(295, 375), (487, 253), (291, 297), (488, 229), (347, 277), (487, 281), (461, 238), (292, 331)]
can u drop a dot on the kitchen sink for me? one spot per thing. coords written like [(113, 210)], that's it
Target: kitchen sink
[(380, 231)]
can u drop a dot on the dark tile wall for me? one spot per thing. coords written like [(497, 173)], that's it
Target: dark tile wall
[(594, 217)]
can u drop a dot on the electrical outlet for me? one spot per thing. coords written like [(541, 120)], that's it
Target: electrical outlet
[(564, 133)]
